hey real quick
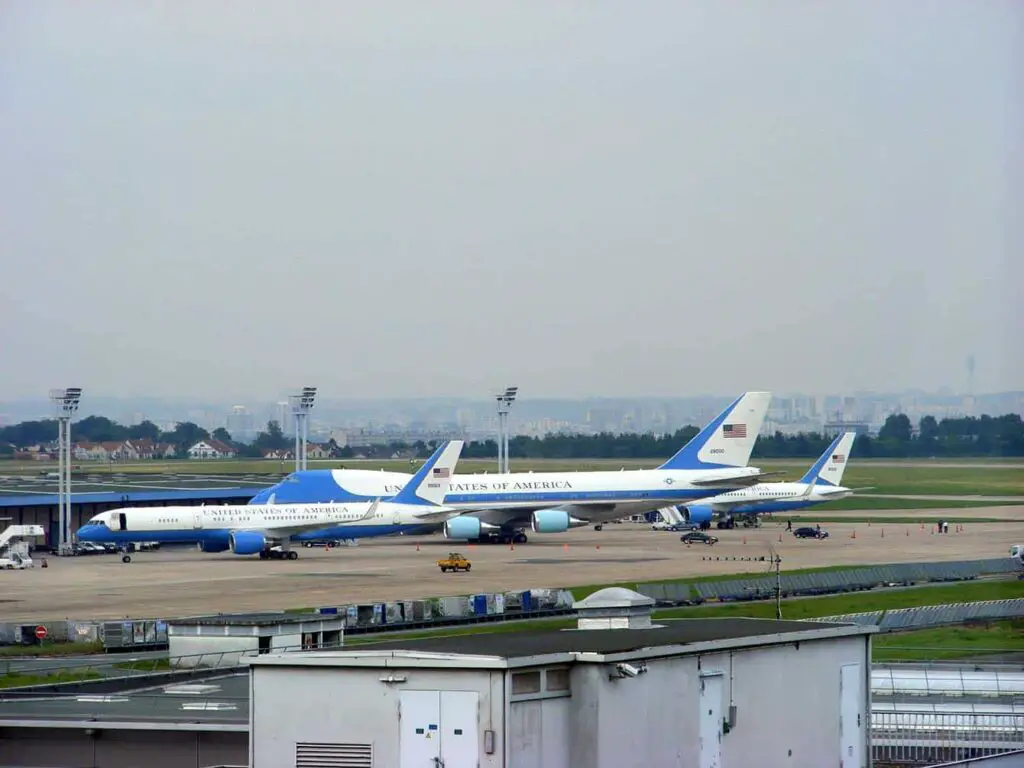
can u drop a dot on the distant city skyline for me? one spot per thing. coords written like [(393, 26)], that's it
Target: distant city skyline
[(352, 421)]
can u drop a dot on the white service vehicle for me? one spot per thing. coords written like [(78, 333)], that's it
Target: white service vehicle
[(15, 562)]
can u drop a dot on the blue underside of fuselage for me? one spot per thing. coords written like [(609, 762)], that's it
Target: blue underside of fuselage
[(765, 507), (219, 536)]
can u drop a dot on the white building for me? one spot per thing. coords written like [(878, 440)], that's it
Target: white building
[(211, 449), (214, 641), (694, 692)]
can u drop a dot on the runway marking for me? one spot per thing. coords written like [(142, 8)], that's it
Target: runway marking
[(574, 561)]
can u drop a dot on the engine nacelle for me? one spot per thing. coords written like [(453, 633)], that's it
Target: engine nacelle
[(214, 545), (697, 514), (554, 521), (247, 542), (463, 527)]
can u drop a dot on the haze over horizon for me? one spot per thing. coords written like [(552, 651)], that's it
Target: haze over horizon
[(386, 200)]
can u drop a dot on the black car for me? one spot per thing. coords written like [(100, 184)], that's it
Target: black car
[(810, 533), (698, 537)]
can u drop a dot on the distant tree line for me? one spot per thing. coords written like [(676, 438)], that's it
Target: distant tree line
[(99, 429), (985, 436)]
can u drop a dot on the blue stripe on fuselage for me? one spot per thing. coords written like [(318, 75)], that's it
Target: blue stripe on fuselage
[(773, 506), (103, 535)]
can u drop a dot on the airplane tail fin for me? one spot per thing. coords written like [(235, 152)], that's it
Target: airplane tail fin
[(727, 441), (429, 486), (829, 468)]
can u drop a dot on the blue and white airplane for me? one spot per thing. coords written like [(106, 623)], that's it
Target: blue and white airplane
[(498, 507), (269, 530), (821, 483)]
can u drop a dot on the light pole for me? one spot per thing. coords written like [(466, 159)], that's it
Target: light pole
[(66, 401), (505, 400), (302, 404)]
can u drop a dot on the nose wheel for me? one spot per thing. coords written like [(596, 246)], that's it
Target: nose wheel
[(126, 558)]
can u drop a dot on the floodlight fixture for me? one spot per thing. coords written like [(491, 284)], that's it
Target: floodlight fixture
[(505, 400), (302, 404)]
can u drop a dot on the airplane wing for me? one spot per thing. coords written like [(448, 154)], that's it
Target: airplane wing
[(734, 482), (313, 525)]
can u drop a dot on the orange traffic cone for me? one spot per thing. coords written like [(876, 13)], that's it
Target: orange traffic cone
[(598, 546), (565, 547)]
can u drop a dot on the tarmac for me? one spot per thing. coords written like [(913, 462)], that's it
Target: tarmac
[(185, 582)]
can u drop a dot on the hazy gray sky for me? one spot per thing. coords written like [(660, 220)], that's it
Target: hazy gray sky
[(664, 198)]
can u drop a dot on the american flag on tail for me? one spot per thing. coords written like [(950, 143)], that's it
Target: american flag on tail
[(838, 458), (442, 472), (734, 430)]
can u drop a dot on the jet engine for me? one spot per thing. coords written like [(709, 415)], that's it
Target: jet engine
[(463, 527), (697, 514), (554, 521), (247, 542), (214, 545)]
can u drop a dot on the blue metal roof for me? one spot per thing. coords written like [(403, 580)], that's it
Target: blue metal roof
[(193, 494)]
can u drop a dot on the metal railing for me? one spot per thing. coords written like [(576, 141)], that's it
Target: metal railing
[(952, 681), (925, 734)]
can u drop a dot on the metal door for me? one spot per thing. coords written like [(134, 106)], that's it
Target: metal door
[(851, 731), (419, 739), (197, 519), (460, 742), (711, 687)]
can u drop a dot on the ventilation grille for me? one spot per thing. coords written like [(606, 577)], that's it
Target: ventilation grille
[(314, 755)]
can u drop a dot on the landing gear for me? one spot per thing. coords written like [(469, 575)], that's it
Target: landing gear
[(126, 558), (279, 554), (599, 527), (503, 536)]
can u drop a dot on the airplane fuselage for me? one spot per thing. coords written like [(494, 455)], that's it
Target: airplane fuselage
[(627, 491), (279, 522), (775, 497)]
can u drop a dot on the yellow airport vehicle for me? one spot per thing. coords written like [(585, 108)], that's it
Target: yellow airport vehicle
[(454, 562)]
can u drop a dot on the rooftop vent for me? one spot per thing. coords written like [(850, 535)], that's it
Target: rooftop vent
[(614, 608)]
